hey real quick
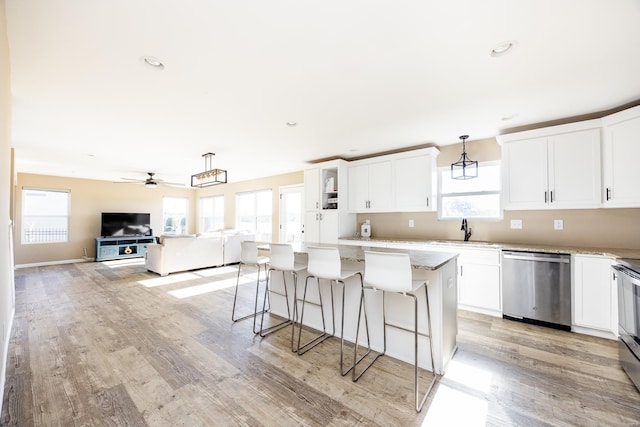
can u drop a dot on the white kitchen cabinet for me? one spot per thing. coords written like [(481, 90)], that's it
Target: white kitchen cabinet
[(553, 168), (479, 283), (370, 186), (620, 154), (326, 215), (312, 189), (595, 298), (479, 280), (415, 181), (322, 226)]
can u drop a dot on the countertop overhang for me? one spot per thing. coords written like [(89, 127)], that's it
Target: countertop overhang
[(420, 259)]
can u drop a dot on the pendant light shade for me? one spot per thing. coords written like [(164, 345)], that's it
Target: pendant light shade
[(210, 176), (464, 168)]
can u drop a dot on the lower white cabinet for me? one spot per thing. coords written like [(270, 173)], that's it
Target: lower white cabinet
[(595, 296), (322, 226), (479, 276), (479, 281)]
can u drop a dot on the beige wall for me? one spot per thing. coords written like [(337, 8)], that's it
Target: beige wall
[(89, 198), (7, 303), (600, 228)]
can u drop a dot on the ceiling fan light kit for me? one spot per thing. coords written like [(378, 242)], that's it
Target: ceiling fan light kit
[(210, 176), (464, 168)]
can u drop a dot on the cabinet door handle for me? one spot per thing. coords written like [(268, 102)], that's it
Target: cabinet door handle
[(317, 217), (551, 192), (545, 197), (461, 274), (317, 205), (608, 194), (320, 217), (427, 201)]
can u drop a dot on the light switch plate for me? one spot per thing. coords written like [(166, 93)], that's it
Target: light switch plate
[(516, 224), (558, 224), (411, 223)]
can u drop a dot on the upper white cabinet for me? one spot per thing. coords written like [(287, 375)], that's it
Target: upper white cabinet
[(402, 182), (326, 215), (415, 180), (370, 186), (595, 297), (620, 154), (552, 168), (312, 189)]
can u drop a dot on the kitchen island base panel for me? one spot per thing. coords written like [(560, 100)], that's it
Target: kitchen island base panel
[(442, 290)]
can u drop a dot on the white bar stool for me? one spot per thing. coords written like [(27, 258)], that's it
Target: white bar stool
[(392, 272), (282, 259), (249, 256), (325, 264)]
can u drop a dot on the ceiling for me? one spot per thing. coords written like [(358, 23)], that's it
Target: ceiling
[(358, 77)]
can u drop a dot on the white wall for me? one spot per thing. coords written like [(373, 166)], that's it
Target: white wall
[(7, 302)]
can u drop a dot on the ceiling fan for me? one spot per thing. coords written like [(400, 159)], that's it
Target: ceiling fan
[(151, 182)]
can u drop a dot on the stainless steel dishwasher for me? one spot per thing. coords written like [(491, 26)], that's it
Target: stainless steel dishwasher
[(536, 287)]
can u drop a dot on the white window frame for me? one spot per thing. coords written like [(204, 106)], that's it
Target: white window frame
[(180, 229), (253, 216), (28, 226), (202, 217), (447, 171)]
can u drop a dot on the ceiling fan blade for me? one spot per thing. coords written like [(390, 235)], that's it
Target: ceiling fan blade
[(170, 184)]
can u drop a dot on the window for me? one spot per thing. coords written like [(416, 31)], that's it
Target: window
[(174, 215), (254, 212), (477, 198), (45, 216), (211, 215)]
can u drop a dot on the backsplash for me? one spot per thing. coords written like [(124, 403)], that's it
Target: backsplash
[(589, 228)]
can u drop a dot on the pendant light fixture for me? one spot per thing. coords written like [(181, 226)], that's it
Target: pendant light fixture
[(210, 176), (464, 168)]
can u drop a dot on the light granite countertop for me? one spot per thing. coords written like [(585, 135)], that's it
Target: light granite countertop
[(610, 252), (424, 260)]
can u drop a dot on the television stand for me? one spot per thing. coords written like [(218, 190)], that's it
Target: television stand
[(122, 247)]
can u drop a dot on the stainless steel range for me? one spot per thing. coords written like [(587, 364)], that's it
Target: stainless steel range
[(628, 277)]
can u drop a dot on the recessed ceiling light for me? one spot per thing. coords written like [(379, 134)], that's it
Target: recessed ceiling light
[(503, 48), (292, 124), (507, 117), (153, 62)]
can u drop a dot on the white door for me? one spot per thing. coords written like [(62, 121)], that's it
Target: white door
[(291, 213)]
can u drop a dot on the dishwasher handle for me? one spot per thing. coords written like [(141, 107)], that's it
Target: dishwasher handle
[(534, 257)]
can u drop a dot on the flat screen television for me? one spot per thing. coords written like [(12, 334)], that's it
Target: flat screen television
[(116, 224)]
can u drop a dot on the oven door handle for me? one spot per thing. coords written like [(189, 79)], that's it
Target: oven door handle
[(633, 277)]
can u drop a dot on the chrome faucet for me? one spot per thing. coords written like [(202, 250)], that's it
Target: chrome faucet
[(466, 229)]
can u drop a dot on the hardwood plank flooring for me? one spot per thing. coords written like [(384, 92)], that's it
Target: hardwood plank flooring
[(111, 344)]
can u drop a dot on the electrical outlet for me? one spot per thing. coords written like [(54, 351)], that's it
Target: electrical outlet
[(411, 223), (558, 224), (516, 224)]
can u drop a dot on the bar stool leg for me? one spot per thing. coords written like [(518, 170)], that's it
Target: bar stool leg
[(366, 322), (302, 349), (420, 402), (274, 328), (235, 298), (354, 375)]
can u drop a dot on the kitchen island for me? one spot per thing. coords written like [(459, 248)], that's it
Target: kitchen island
[(439, 269)]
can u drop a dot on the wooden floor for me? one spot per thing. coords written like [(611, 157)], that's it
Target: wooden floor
[(111, 344)]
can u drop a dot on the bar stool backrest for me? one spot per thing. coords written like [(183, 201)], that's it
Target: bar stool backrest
[(387, 271), (281, 257), (324, 263), (249, 252)]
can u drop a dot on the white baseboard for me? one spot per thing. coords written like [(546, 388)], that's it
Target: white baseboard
[(64, 261), (594, 332)]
